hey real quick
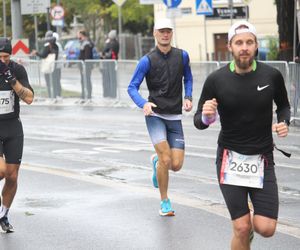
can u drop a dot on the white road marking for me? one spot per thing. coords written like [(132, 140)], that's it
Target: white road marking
[(136, 146), (218, 209)]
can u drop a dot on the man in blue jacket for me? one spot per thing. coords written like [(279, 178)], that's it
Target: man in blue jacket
[(165, 69)]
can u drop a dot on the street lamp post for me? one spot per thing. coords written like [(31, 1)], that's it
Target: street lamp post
[(16, 19), (48, 18), (230, 5), (58, 28), (120, 19), (122, 45)]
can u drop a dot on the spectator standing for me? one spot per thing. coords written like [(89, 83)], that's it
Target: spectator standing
[(111, 48), (86, 52), (53, 86), (59, 66), (110, 52)]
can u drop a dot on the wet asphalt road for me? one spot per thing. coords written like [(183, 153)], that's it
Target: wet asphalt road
[(85, 184)]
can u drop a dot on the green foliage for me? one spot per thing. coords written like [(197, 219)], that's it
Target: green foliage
[(8, 19), (274, 50), (95, 15), (136, 18)]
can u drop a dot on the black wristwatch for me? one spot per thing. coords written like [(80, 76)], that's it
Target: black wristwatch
[(189, 98)]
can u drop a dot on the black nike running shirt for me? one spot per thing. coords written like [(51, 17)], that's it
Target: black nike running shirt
[(245, 107), (8, 95)]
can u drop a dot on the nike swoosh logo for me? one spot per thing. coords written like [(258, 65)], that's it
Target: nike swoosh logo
[(261, 88)]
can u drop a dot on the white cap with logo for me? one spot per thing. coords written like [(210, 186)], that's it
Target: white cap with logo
[(163, 24), (245, 27)]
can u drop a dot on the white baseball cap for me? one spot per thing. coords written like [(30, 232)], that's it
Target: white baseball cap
[(245, 27), (163, 24)]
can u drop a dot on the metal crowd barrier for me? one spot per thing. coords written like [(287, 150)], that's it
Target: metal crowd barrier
[(108, 80), (294, 90)]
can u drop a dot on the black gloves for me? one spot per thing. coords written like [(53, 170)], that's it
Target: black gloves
[(6, 72)]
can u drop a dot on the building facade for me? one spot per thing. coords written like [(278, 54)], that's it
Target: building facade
[(205, 37)]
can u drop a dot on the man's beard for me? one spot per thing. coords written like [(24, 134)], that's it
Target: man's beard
[(243, 64)]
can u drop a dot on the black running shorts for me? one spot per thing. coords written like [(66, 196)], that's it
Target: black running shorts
[(265, 201), (11, 140)]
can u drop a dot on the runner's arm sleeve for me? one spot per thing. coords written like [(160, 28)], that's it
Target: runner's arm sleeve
[(283, 110), (187, 74), (137, 79), (208, 93)]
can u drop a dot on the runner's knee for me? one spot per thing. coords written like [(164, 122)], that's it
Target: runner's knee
[(11, 179), (176, 165), (165, 161), (265, 230), (264, 226), (11, 176), (242, 230)]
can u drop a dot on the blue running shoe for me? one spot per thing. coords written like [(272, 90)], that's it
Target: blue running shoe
[(166, 208), (154, 161)]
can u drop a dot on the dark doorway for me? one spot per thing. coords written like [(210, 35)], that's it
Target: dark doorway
[(221, 51)]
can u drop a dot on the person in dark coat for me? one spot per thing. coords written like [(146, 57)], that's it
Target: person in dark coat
[(86, 53), (110, 52), (111, 48)]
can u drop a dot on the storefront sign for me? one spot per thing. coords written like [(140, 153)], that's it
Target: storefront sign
[(225, 13)]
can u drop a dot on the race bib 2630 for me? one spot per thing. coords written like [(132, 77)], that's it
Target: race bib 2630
[(242, 170)]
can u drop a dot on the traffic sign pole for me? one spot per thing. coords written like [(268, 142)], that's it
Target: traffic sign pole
[(204, 7), (58, 28), (16, 19), (174, 32), (205, 38), (230, 3), (120, 3), (36, 33), (120, 19), (172, 8), (48, 18)]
